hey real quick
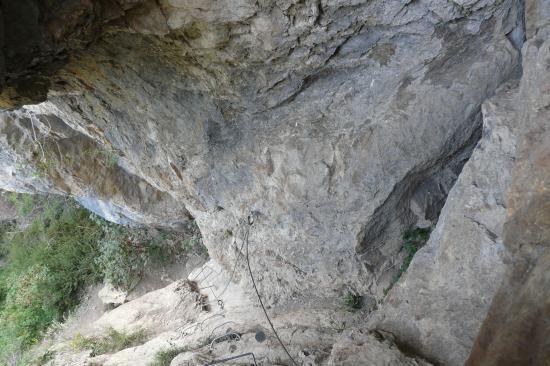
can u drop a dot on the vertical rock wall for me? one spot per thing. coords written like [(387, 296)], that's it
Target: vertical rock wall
[(321, 119), (523, 299), (439, 305)]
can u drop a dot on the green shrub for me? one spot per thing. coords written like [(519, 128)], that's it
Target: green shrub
[(121, 259), (165, 357), (353, 302), (47, 264), (62, 250), (114, 341), (412, 241), (126, 252), (24, 203), (194, 243)]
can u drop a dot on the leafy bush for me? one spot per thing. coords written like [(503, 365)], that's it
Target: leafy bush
[(114, 341), (24, 203), (47, 263), (126, 252), (121, 259), (61, 249)]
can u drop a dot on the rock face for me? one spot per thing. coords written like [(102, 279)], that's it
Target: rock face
[(442, 300), (308, 134), (41, 153), (524, 295), (321, 119), (112, 296), (371, 349), (38, 36), (491, 243)]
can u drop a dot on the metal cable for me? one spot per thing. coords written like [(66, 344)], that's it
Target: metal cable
[(215, 362), (250, 221)]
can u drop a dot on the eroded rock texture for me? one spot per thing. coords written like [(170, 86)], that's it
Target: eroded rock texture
[(490, 246), (332, 125), (322, 119), (523, 298), (443, 298)]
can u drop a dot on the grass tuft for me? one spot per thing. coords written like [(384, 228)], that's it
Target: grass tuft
[(113, 341), (165, 357)]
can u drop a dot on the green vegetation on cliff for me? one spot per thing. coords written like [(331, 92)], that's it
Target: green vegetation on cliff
[(412, 241), (54, 251), (47, 263)]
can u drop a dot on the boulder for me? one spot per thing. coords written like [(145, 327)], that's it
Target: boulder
[(109, 295)]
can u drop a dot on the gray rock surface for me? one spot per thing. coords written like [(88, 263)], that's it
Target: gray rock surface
[(323, 119), (357, 348), (438, 306), (175, 317), (523, 298), (332, 125), (110, 295), (40, 153)]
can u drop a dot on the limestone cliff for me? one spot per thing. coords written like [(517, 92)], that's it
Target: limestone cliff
[(307, 136)]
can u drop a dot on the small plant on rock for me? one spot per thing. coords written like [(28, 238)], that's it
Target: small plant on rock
[(165, 357), (353, 302), (339, 327), (412, 241), (44, 358), (109, 158), (113, 341)]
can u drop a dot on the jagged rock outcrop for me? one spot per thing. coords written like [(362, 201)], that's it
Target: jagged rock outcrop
[(523, 298), (41, 153), (439, 305), (492, 235)]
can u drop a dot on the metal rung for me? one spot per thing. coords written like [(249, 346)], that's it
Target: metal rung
[(215, 362)]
